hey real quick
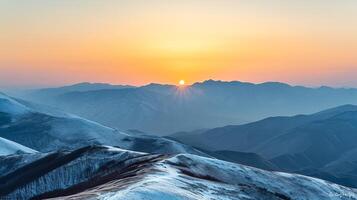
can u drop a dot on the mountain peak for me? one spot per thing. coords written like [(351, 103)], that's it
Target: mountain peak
[(211, 82), (275, 84)]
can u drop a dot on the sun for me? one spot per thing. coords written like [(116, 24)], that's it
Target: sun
[(182, 82)]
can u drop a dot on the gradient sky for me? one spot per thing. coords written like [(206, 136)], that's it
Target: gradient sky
[(306, 42)]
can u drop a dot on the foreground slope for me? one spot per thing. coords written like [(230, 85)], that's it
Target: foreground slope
[(99, 172), (44, 129)]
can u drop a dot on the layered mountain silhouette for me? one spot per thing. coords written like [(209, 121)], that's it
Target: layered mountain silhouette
[(45, 152), (45, 129), (164, 109), (313, 144)]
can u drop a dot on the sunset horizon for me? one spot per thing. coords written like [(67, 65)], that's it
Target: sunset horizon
[(178, 99), (132, 42)]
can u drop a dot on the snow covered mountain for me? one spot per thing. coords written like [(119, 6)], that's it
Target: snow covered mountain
[(44, 129), (102, 172), (8, 147)]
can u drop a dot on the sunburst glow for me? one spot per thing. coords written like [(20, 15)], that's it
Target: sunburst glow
[(138, 42)]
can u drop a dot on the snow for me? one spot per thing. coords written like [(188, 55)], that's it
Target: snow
[(74, 172), (293, 185), (158, 145), (8, 147), (65, 130), (214, 179), (116, 149), (77, 128), (11, 106), (57, 130), (184, 176), (171, 185)]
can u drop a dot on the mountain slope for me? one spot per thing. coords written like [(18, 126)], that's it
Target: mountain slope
[(248, 137), (249, 159), (11, 107), (47, 130), (321, 145), (8, 147), (109, 173), (319, 141)]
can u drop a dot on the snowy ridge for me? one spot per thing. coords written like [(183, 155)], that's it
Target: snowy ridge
[(8, 147), (45, 129), (11, 106), (113, 174), (192, 177), (70, 168)]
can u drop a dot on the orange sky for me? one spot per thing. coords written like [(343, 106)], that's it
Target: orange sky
[(136, 42)]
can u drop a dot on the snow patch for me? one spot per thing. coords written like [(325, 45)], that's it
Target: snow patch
[(8, 147)]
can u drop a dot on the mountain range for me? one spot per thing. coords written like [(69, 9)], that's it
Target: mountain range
[(50, 149), (309, 144), (165, 109), (46, 129)]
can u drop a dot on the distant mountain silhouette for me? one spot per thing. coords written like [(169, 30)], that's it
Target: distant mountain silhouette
[(79, 87), (164, 109), (249, 159)]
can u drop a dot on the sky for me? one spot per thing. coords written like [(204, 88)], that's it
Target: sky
[(57, 42)]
